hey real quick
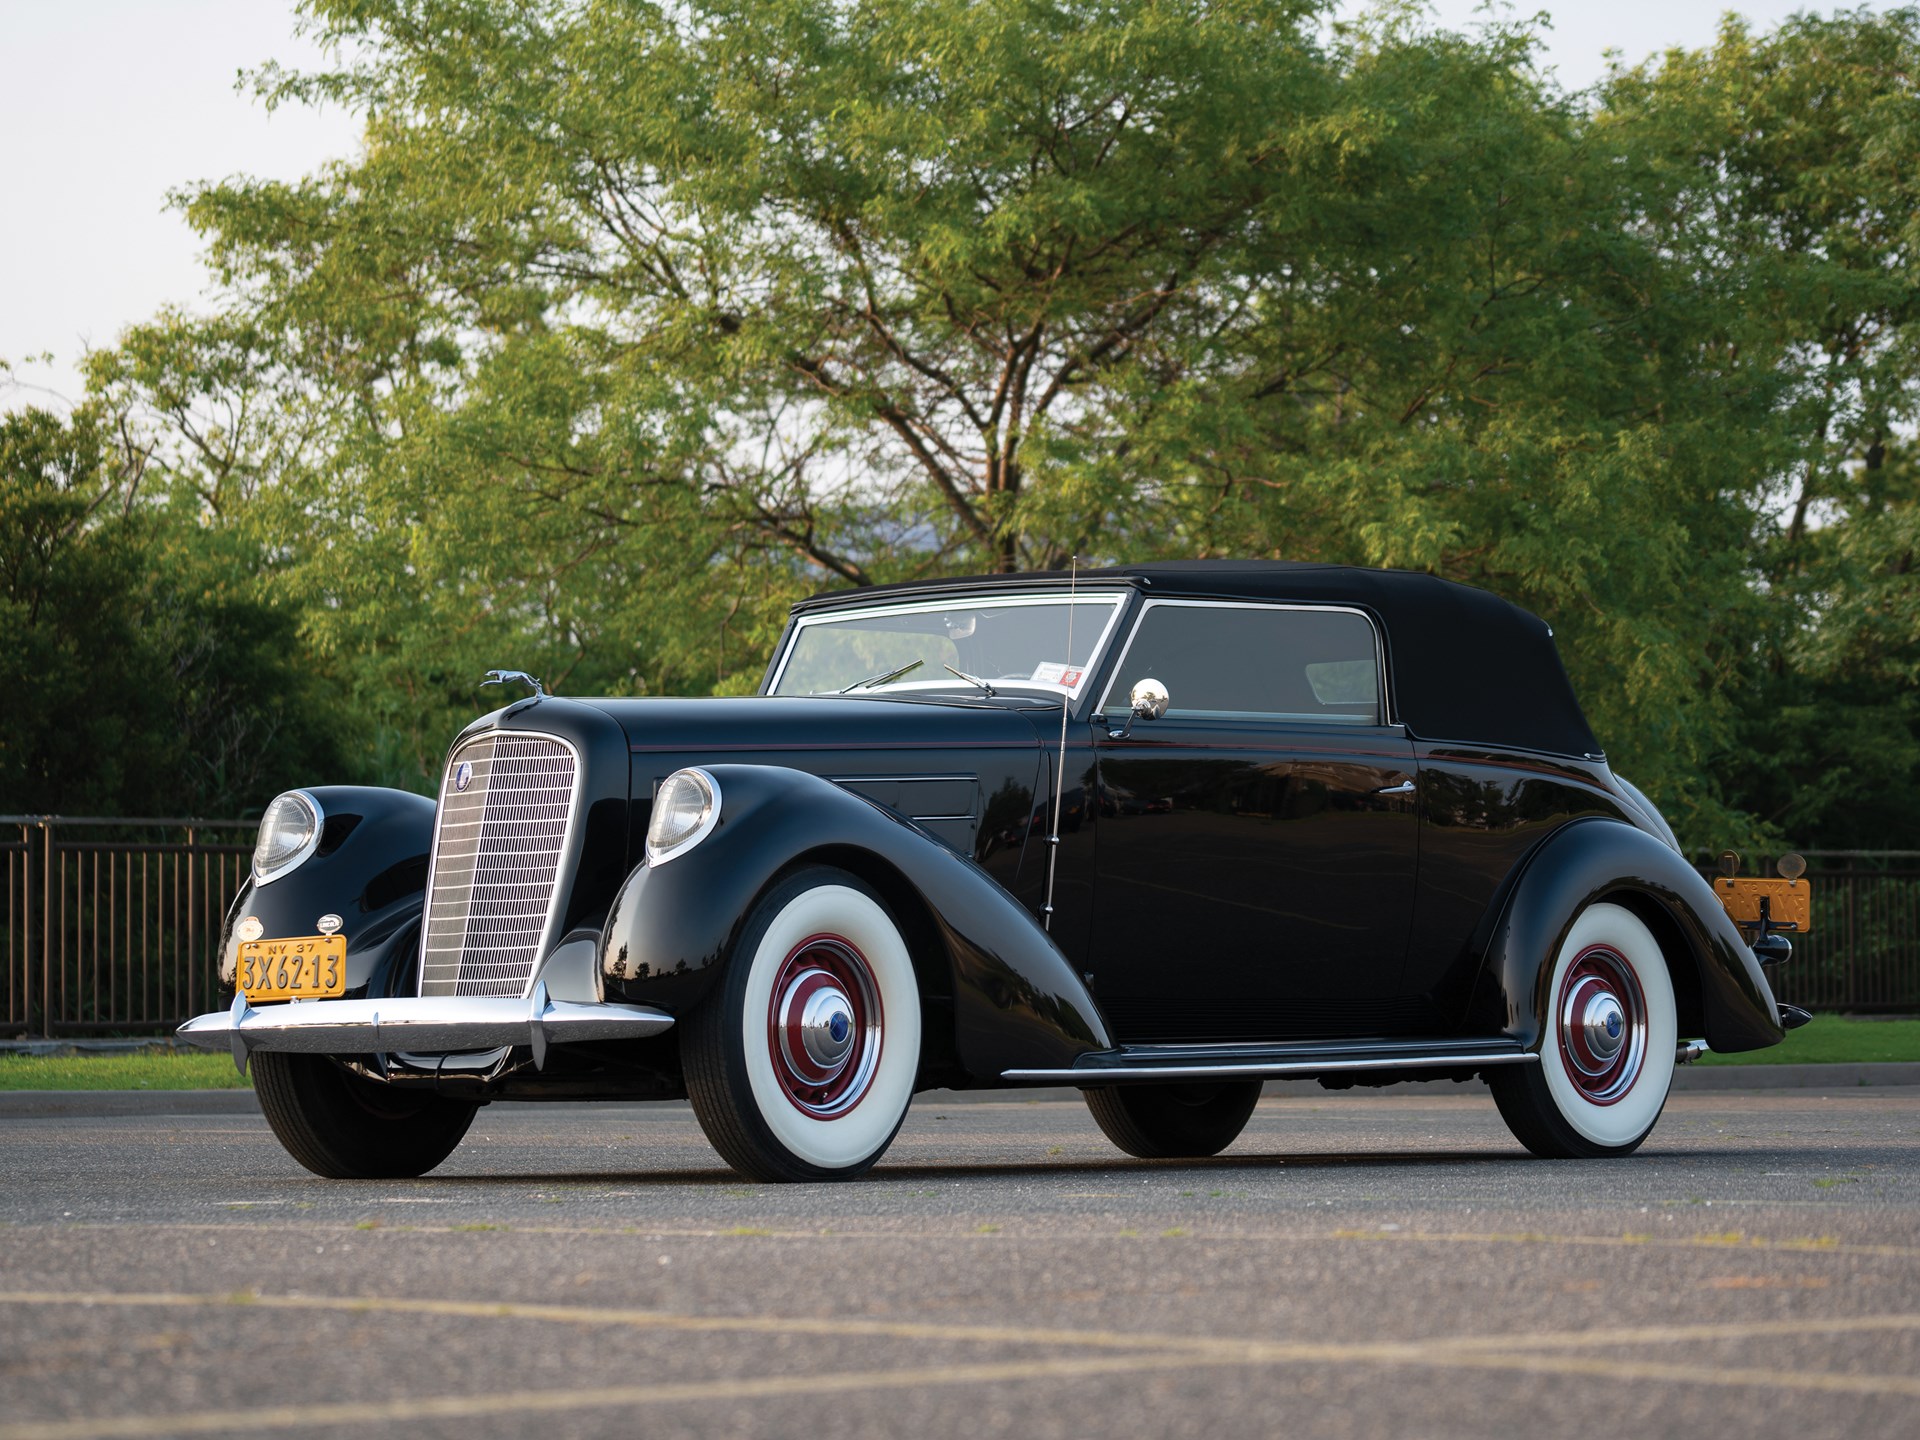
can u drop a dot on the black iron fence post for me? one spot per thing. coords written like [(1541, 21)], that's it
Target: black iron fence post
[(46, 927), (25, 956), (193, 916)]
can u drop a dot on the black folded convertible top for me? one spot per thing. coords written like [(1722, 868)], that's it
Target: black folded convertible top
[(1465, 665)]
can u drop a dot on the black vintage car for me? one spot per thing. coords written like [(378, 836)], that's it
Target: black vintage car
[(1159, 832)]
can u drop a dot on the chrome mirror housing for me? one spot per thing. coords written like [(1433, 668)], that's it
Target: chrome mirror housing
[(1148, 701)]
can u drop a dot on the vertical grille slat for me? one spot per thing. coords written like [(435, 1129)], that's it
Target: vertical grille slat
[(495, 864)]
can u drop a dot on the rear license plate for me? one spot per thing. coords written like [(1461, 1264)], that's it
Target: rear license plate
[(1789, 902), (303, 968)]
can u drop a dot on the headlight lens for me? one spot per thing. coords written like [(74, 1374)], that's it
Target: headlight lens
[(288, 832), (685, 810)]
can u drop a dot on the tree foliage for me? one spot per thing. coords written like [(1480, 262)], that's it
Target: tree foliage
[(145, 674), (629, 323)]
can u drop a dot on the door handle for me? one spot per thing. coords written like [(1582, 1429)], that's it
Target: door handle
[(1405, 787)]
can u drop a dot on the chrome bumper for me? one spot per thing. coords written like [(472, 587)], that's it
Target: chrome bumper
[(417, 1024)]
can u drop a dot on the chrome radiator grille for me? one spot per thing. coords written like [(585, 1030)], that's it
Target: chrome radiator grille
[(497, 854)]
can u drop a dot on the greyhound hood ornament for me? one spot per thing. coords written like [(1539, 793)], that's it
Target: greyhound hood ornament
[(509, 677)]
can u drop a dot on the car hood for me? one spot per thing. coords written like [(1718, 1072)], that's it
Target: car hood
[(746, 725)]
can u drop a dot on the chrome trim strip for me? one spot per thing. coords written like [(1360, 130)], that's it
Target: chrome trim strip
[(916, 778), (1097, 1075), (1168, 1052), (417, 1024)]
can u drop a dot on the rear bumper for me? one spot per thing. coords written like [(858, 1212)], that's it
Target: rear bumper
[(417, 1024)]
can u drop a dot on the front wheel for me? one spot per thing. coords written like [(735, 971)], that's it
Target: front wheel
[(1607, 1053), (1173, 1122), (346, 1128), (801, 1064)]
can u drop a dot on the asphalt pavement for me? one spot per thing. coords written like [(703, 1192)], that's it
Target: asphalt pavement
[(1364, 1264)]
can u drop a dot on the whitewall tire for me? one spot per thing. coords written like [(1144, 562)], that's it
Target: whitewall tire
[(1607, 1048), (802, 1063)]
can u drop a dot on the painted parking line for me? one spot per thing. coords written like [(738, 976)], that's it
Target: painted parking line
[(849, 1327), (1001, 1235), (466, 1407), (1724, 1240), (1532, 1353)]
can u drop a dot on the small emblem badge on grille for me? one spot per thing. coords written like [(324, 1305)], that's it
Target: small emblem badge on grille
[(463, 775), (327, 924), (249, 928)]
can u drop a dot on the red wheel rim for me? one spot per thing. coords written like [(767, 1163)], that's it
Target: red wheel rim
[(1601, 1017), (824, 1026)]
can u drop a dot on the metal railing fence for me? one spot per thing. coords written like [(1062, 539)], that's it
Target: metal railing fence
[(109, 924)]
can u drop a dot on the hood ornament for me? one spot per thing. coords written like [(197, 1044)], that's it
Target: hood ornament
[(508, 677)]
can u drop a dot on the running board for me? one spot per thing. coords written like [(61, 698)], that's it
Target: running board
[(1300, 1058)]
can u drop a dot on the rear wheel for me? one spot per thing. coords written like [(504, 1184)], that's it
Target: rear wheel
[(802, 1063), (1170, 1122), (1607, 1056), (346, 1128)]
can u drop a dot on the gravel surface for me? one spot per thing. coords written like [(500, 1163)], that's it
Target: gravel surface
[(1374, 1264)]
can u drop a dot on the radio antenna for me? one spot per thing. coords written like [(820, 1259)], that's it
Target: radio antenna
[(1060, 770)]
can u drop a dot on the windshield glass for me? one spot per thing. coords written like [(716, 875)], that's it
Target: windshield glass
[(1027, 642)]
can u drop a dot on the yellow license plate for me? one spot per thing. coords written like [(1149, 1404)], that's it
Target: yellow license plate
[(303, 968), (1789, 902)]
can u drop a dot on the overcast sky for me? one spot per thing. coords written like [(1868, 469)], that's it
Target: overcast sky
[(106, 105)]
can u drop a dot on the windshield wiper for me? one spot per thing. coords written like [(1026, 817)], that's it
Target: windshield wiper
[(970, 679), (883, 677)]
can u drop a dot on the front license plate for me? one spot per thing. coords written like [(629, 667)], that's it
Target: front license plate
[(1789, 902), (303, 968)]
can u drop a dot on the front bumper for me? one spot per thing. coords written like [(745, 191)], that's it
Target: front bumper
[(417, 1024)]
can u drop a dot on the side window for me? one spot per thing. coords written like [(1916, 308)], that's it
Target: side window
[(1240, 662)]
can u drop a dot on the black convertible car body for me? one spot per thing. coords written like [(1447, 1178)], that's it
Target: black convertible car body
[(1159, 832)]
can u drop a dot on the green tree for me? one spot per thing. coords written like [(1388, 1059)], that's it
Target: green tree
[(628, 323), (143, 675), (1780, 168)]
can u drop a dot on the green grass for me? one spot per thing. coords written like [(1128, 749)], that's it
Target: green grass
[(134, 1070), (1834, 1040), (1828, 1040)]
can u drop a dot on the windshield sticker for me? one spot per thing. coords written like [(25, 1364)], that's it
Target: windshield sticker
[(1054, 672)]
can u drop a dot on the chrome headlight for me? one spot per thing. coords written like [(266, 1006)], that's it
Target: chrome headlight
[(288, 832), (684, 813)]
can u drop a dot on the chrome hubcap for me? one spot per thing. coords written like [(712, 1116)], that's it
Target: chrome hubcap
[(824, 1026), (1602, 1025), (1605, 1026)]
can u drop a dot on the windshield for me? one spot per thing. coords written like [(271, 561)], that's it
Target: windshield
[(1028, 642)]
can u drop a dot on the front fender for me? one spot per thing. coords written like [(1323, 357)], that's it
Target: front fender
[(370, 869), (1014, 1000), (1719, 987)]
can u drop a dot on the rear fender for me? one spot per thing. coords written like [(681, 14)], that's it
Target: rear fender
[(1014, 1000), (1718, 985)]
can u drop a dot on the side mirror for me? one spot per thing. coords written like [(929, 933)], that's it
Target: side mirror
[(1149, 701)]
